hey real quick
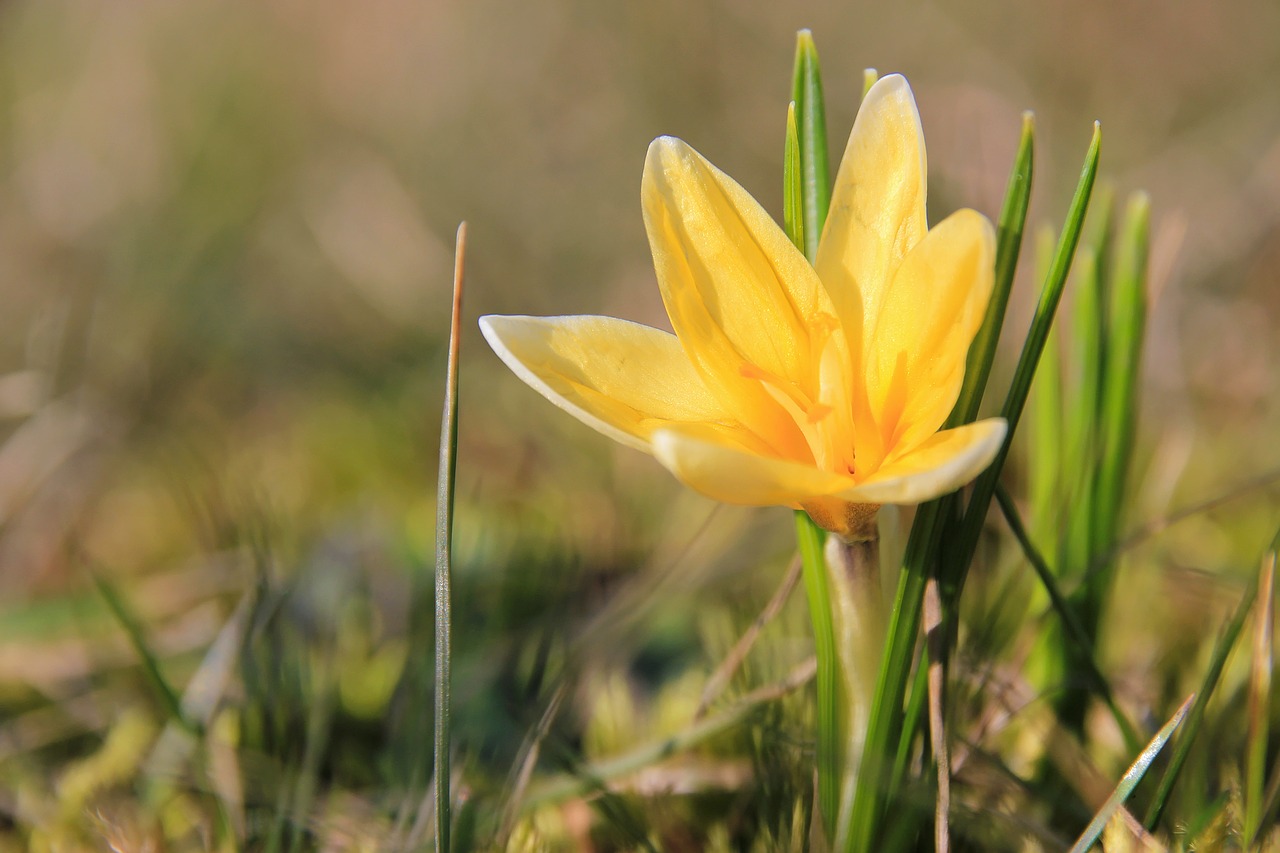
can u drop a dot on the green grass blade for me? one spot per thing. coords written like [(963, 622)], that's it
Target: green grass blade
[(1226, 642), (1208, 827), (1009, 228), (1118, 408), (966, 537), (1080, 411), (886, 718), (1086, 356), (913, 717), (1271, 801), (1129, 781), (962, 536), (1255, 758), (807, 195), (306, 784), (165, 693), (1045, 466), (1092, 318), (884, 727), (830, 738), (1099, 238), (444, 556), (1067, 614), (1108, 335), (886, 734), (935, 644), (811, 124), (593, 778), (793, 195)]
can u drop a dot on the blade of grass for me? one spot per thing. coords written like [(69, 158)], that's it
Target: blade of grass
[(1157, 526), (1045, 466), (720, 678), (280, 813), (319, 727), (1067, 614), (830, 738), (1255, 757), (1210, 827), (811, 125), (1226, 642), (164, 691), (917, 701), (935, 640), (203, 696), (970, 528), (963, 537), (1119, 406), (792, 182), (525, 764), (885, 726), (1271, 802), (1110, 336), (592, 777), (1130, 780), (1009, 231), (444, 555), (1009, 228), (1099, 238), (1080, 411), (1091, 318), (807, 194), (886, 720)]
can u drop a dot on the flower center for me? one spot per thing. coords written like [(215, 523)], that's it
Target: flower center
[(821, 407)]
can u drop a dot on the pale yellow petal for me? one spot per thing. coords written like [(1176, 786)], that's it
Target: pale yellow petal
[(877, 204), (742, 299), (733, 475), (623, 379), (943, 463), (915, 348)]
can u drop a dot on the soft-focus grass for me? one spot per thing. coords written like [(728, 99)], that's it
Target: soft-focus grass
[(224, 267)]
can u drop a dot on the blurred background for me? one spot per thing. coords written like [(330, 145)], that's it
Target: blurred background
[(226, 238)]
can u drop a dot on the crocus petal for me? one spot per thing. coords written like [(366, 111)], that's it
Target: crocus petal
[(915, 347), (741, 298), (877, 205), (621, 378), (942, 464), (733, 475)]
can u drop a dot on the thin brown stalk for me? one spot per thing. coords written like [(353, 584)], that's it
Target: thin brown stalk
[(527, 763), (1159, 525), (444, 559), (935, 639), (590, 778), (1259, 699), (720, 678)]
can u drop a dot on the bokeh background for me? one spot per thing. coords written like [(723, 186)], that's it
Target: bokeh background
[(226, 237)]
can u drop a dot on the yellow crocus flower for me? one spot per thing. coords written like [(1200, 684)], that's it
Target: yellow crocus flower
[(821, 386)]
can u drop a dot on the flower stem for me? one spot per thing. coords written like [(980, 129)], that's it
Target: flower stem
[(809, 538), (857, 606), (842, 582)]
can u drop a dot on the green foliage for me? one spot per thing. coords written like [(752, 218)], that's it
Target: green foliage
[(813, 177), (226, 265)]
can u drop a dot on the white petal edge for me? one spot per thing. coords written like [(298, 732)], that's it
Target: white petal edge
[(890, 487), (490, 327)]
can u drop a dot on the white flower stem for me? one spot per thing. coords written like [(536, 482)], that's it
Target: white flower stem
[(853, 570)]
